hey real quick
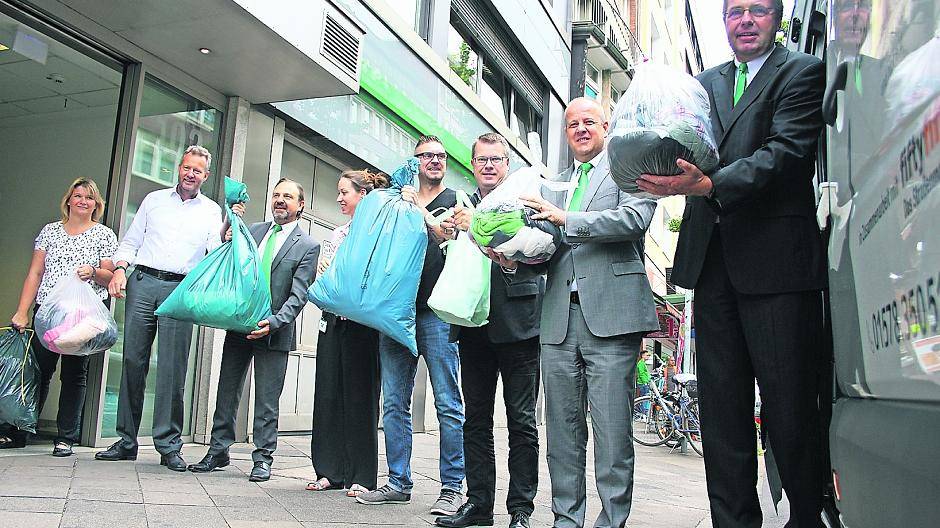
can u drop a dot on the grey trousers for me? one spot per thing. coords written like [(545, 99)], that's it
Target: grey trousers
[(270, 369), (600, 371), (144, 295)]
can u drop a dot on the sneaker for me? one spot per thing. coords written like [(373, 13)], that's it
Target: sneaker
[(448, 503), (384, 495)]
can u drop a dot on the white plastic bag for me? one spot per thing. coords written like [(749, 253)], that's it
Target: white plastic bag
[(73, 320), (664, 115), (502, 222)]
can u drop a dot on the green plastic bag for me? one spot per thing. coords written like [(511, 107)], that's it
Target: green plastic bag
[(226, 289), (461, 295), (19, 380)]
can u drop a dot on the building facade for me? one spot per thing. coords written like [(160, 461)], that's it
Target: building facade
[(298, 88)]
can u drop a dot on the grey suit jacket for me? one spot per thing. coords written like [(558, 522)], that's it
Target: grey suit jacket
[(603, 247), (292, 271)]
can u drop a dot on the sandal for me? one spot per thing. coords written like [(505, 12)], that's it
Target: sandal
[(355, 490), (9, 442), (323, 484)]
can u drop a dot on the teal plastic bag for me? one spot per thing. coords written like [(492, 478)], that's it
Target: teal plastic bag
[(461, 295), (19, 380), (374, 276), (226, 289)]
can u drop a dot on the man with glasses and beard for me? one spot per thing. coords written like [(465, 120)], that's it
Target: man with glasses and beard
[(289, 260), (399, 367)]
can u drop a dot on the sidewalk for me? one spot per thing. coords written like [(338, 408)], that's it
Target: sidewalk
[(40, 491)]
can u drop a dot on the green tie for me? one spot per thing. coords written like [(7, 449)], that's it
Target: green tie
[(740, 82), (575, 203), (268, 256)]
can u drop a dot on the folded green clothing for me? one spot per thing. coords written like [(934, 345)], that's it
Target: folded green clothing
[(487, 224)]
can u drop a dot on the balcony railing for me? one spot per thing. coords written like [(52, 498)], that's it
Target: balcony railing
[(605, 15)]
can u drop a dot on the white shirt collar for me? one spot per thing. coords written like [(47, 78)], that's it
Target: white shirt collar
[(286, 228), (175, 192), (754, 65), (577, 164)]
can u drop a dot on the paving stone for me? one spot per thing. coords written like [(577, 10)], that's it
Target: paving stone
[(264, 524), (56, 487), (177, 498), (31, 504), (95, 514), (269, 512), (165, 516), (30, 519)]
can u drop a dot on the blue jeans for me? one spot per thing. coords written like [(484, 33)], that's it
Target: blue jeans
[(643, 390), (398, 380)]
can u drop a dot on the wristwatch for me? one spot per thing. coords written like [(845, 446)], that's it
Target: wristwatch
[(121, 268)]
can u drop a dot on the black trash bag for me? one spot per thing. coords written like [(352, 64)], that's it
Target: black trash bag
[(663, 116), (19, 380)]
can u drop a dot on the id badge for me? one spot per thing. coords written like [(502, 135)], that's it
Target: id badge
[(322, 325)]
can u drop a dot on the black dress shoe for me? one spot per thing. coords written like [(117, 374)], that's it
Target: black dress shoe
[(468, 515), (173, 461), (116, 452), (519, 520), (209, 463), (261, 472)]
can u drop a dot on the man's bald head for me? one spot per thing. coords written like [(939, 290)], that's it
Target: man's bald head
[(585, 128)]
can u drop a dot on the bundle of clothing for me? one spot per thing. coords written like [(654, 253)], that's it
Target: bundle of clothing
[(73, 320), (502, 221), (663, 116)]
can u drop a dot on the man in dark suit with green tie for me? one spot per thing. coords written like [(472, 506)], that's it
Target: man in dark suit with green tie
[(750, 248), (289, 258)]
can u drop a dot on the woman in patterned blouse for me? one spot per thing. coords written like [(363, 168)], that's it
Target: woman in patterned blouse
[(76, 244)]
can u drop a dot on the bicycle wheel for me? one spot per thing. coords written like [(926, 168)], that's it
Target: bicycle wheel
[(692, 427), (652, 423)]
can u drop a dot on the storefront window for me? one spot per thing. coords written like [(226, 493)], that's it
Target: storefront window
[(169, 122)]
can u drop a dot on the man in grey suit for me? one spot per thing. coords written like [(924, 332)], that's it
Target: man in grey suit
[(597, 306), (290, 255)]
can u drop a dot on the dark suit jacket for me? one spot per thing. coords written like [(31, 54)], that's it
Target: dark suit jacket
[(764, 194), (292, 271), (515, 305)]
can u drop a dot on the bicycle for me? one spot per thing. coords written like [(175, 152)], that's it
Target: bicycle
[(668, 418)]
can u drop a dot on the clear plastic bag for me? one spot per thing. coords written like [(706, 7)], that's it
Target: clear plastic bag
[(73, 321), (19, 380), (664, 115), (502, 222)]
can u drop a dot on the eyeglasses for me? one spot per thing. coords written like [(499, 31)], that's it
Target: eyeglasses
[(187, 168), (428, 156), (483, 160), (757, 11)]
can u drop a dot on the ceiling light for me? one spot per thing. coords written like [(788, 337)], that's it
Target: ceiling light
[(205, 51), (3, 48)]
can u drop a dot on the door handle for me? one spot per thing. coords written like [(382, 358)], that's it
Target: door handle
[(829, 109)]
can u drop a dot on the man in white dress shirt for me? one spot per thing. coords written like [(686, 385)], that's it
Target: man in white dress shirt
[(172, 231)]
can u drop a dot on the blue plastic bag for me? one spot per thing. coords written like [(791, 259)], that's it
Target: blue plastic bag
[(226, 289), (375, 274)]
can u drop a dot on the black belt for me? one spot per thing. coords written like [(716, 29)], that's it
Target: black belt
[(575, 299), (160, 274)]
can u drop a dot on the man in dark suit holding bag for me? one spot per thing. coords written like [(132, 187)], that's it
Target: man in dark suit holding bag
[(750, 248), (508, 348), (289, 260)]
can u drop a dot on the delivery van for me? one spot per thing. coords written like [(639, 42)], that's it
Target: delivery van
[(878, 174)]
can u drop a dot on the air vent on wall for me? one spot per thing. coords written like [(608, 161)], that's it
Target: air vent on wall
[(340, 46)]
